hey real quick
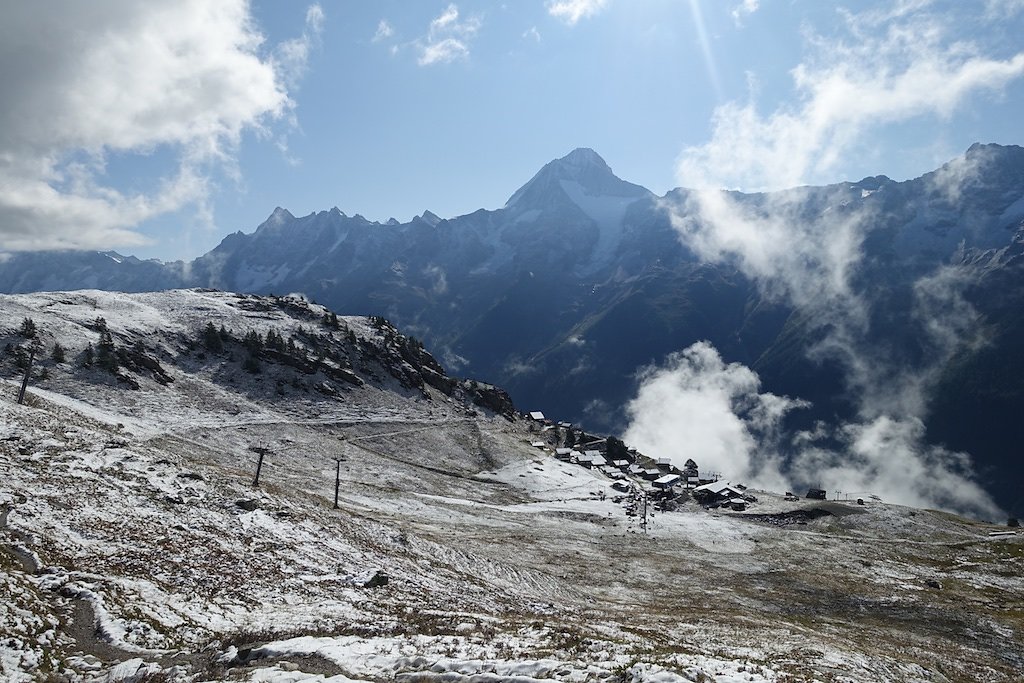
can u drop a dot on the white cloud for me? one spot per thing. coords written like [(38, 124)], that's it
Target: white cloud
[(571, 11), (895, 64), (697, 406), (443, 51), (384, 31), (903, 69), (81, 81), (446, 19), (292, 56), (887, 457), (448, 38), (532, 34), (1003, 9), (744, 10)]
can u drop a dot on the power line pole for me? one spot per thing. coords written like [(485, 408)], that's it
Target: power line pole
[(260, 451), (337, 478), (643, 512), (28, 373)]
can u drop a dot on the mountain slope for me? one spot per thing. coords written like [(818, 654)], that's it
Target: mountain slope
[(581, 279), (135, 546)]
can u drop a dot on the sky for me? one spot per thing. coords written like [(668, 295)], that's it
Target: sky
[(158, 128)]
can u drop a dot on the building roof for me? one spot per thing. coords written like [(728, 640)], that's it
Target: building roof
[(720, 488), (537, 415)]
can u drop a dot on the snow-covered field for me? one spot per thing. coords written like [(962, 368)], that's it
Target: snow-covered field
[(136, 547)]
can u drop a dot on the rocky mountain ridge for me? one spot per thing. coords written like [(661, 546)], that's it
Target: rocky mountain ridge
[(582, 279)]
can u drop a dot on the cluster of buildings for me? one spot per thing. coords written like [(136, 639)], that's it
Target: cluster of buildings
[(629, 465)]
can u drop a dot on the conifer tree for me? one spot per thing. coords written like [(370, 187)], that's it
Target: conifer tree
[(106, 353), (28, 329), (88, 356), (212, 339)]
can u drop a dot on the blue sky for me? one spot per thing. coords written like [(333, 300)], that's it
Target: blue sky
[(207, 114)]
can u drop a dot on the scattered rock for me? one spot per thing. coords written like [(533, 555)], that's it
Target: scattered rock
[(932, 583), (378, 579), (247, 504)]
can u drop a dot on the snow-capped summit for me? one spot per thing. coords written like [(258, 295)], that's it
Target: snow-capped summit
[(580, 172)]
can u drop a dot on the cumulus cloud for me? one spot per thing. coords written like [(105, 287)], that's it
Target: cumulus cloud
[(887, 457), (448, 38), (572, 11), (384, 31), (82, 81), (293, 55), (698, 406), (743, 10), (882, 72), (893, 64)]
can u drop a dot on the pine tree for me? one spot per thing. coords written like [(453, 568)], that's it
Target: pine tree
[(58, 353), (88, 356), (212, 339), (615, 448), (28, 329), (106, 353), (253, 343)]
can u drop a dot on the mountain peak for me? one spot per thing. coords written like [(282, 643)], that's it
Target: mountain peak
[(280, 214), (581, 158), (584, 169)]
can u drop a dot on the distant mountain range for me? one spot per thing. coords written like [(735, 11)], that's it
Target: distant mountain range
[(581, 279)]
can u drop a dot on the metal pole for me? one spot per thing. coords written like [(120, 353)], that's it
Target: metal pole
[(259, 466), (337, 481), (643, 514), (28, 373)]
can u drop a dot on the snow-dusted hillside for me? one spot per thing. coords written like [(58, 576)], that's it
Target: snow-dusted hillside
[(136, 548)]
